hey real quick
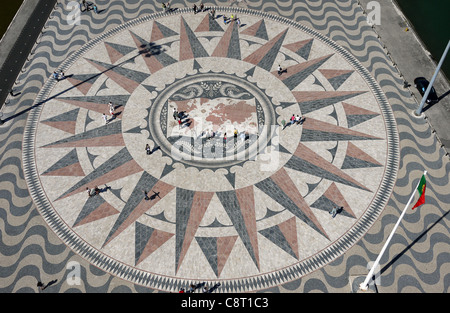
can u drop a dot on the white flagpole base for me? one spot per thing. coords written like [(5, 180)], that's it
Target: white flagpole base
[(363, 287)]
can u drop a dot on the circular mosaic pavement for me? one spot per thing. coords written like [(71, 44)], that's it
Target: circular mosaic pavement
[(230, 190)]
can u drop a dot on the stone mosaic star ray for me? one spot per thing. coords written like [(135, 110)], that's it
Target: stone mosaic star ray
[(137, 205)]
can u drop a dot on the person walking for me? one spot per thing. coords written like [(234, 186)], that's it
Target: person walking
[(175, 114), (280, 70), (111, 109), (293, 119), (333, 211), (105, 118)]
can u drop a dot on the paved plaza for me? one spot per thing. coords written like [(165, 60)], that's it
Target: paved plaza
[(167, 156)]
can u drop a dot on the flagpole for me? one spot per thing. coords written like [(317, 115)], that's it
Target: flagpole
[(365, 285)]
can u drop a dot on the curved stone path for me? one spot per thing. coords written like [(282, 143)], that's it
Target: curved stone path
[(249, 212)]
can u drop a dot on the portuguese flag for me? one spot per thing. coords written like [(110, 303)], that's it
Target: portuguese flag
[(421, 188)]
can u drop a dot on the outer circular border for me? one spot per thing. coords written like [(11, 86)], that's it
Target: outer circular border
[(252, 283)]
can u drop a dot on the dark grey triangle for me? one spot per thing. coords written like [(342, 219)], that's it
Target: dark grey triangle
[(105, 130), (116, 192), (251, 71), (333, 150), (286, 104), (123, 50), (304, 166), (146, 182), (234, 51), (353, 120), (90, 206), (337, 81), (167, 170), (213, 25), (116, 99), (136, 76), (91, 156), (197, 48), (70, 116), (305, 50), (231, 178), (164, 59), (269, 213), (151, 89), (68, 159), (142, 236), (104, 86), (325, 204), (161, 216), (351, 162), (184, 200), (84, 78), (281, 148), (134, 130), (144, 43), (167, 32), (317, 135), (120, 158), (317, 82), (268, 60), (196, 65), (209, 248), (88, 121), (262, 32), (311, 187), (294, 80), (232, 207), (269, 187), (275, 235), (313, 105)]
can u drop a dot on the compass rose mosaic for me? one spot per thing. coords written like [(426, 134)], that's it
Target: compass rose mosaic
[(229, 189)]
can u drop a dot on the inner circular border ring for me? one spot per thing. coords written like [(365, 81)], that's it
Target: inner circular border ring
[(162, 98), (124, 271)]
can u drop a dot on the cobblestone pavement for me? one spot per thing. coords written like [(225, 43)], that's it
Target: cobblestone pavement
[(230, 191)]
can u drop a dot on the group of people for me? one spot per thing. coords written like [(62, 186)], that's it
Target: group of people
[(200, 8), (59, 75), (112, 108), (93, 192), (88, 6), (179, 116), (295, 120), (230, 19), (202, 286), (166, 7)]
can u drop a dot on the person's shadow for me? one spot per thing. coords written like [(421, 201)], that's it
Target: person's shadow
[(154, 195)]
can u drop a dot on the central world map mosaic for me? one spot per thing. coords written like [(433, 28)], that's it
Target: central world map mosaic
[(231, 191)]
